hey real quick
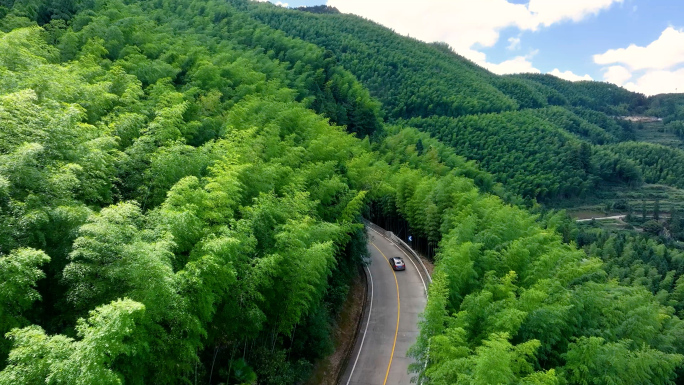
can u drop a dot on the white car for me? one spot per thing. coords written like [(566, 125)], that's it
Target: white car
[(397, 263)]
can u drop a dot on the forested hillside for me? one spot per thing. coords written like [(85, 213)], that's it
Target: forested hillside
[(417, 81), (171, 209), (182, 186)]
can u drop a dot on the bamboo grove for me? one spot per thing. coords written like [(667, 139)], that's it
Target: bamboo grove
[(181, 194), (545, 138)]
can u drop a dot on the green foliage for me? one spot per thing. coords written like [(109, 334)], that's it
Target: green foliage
[(575, 124), (533, 157), (593, 361), (620, 129), (640, 260), (211, 171), (19, 274), (510, 300), (428, 85), (653, 227), (659, 164), (112, 258), (39, 359), (194, 182), (597, 96), (669, 107), (400, 71)]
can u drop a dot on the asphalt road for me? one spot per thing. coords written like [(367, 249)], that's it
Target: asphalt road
[(390, 324)]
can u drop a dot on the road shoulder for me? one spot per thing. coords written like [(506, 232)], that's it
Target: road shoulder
[(329, 369)]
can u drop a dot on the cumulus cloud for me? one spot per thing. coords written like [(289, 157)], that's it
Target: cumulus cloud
[(653, 69), (658, 82), (460, 23), (467, 25), (548, 12), (664, 53), (519, 64), (617, 75), (569, 75)]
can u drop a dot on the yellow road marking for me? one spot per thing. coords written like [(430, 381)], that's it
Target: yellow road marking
[(398, 315)]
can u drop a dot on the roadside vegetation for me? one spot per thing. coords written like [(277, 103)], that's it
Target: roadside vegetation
[(182, 184)]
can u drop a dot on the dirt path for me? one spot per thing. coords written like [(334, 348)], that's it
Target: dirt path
[(618, 217)]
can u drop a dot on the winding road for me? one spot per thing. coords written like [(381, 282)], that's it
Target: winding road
[(390, 324)]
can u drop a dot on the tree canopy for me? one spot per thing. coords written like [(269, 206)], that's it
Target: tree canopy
[(182, 184)]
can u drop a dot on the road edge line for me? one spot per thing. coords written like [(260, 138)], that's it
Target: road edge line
[(365, 331)]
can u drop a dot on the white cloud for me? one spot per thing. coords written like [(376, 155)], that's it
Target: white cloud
[(569, 75), (468, 24), (617, 75), (658, 82), (653, 69), (460, 23), (519, 64), (664, 53), (548, 12), (514, 43)]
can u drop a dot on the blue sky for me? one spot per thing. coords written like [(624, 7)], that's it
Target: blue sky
[(573, 39)]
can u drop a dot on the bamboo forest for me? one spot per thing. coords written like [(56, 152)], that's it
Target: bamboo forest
[(184, 186)]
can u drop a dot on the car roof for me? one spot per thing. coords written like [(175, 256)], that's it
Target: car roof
[(398, 259)]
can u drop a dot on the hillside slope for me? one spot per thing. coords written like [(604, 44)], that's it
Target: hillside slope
[(415, 81), (181, 188)]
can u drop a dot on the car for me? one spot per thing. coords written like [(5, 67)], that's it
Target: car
[(397, 263)]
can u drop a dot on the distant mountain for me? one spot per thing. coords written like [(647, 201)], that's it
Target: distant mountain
[(538, 147)]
